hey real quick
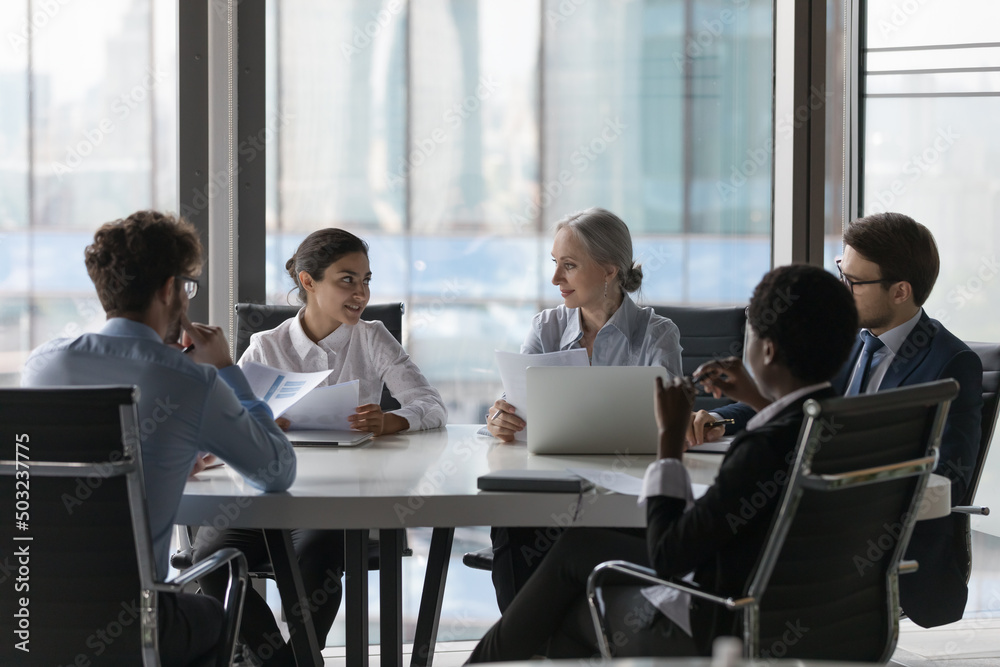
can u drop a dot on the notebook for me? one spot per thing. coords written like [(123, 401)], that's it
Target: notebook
[(592, 409), (306, 438), (554, 481)]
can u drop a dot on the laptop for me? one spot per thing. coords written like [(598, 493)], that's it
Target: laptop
[(592, 409), (306, 438)]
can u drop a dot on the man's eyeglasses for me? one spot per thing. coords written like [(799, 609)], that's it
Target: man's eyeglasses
[(190, 286), (851, 283)]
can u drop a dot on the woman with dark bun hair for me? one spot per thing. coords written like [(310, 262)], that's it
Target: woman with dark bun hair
[(331, 272), (595, 273)]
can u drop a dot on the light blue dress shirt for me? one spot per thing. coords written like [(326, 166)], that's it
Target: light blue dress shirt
[(184, 408), (633, 336)]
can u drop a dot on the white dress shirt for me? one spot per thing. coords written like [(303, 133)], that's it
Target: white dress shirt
[(365, 351)]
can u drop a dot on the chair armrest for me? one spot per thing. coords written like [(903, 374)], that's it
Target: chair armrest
[(647, 575), (233, 604), (908, 566), (201, 568), (971, 509)]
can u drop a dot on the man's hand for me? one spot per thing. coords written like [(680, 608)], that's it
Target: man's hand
[(730, 378), (698, 434), (502, 422), (673, 407), (369, 417), (205, 344), (202, 462)]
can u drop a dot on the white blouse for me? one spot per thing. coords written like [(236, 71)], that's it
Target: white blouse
[(365, 351)]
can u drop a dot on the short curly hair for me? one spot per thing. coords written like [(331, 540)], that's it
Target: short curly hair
[(809, 315), (132, 258)]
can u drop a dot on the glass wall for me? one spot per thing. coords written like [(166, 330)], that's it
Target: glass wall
[(87, 134), (452, 135), (931, 146)]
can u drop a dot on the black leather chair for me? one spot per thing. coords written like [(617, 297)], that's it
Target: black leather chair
[(84, 549), (819, 569), (252, 318), (707, 334), (989, 354)]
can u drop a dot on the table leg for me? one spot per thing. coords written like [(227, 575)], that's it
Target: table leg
[(390, 566), (431, 597), (356, 597), (301, 631)]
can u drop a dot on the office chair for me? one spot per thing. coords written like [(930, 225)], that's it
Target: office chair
[(253, 318), (81, 542), (818, 568), (707, 334)]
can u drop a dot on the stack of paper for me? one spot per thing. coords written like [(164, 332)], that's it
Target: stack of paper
[(296, 397)]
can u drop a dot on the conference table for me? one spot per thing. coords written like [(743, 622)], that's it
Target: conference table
[(423, 479)]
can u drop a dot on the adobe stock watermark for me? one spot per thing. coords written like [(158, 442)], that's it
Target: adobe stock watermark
[(584, 156), (121, 108), (914, 168), (362, 37), (43, 11), (698, 44), (431, 482), (900, 15), (760, 157), (248, 149), (453, 118), (451, 291)]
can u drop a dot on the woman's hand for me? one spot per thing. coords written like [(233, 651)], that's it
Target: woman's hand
[(369, 417), (203, 462), (502, 422), (673, 408), (730, 378), (282, 423)]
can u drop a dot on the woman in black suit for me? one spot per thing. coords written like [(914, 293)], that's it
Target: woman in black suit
[(802, 324)]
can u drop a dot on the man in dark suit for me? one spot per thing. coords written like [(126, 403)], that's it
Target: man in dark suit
[(802, 324), (890, 263)]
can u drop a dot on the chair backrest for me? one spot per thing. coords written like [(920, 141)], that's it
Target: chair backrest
[(707, 334), (989, 354), (826, 580), (74, 528), (252, 318)]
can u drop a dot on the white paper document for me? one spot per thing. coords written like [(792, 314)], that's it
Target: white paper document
[(281, 389), (513, 367), (617, 482), (325, 408)]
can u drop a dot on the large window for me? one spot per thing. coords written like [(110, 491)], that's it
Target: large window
[(931, 146), (87, 134), (453, 135)]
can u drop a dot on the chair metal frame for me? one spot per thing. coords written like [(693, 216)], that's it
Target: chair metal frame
[(802, 478), (130, 467)]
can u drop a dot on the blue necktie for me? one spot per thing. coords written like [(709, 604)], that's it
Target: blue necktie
[(860, 382)]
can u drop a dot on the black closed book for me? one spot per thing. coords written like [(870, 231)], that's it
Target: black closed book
[(552, 481)]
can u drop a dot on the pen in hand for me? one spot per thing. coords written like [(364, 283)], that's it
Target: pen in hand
[(719, 422)]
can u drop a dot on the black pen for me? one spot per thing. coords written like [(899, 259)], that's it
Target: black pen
[(720, 422)]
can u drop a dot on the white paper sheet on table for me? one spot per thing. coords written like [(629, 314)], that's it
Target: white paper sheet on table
[(623, 483), (281, 389), (325, 408), (513, 373)]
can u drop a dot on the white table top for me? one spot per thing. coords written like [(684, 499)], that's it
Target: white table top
[(426, 478)]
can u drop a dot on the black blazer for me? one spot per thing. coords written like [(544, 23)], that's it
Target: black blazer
[(936, 594), (721, 537)]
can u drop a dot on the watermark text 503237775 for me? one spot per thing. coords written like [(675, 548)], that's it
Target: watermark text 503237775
[(22, 515)]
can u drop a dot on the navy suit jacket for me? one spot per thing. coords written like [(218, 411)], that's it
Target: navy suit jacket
[(936, 594)]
